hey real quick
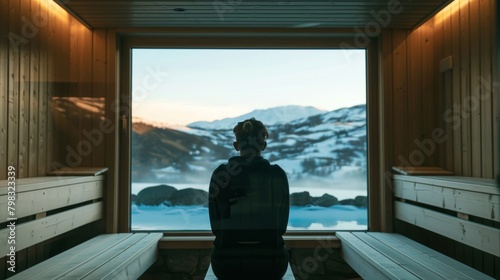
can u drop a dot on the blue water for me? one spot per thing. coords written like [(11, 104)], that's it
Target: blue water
[(338, 217)]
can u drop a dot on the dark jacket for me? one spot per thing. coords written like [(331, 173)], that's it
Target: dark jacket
[(248, 203)]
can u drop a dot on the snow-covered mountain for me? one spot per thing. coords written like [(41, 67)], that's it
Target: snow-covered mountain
[(306, 142), (271, 116)]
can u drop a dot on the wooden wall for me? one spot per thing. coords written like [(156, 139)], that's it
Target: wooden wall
[(56, 77), (443, 118), (440, 116)]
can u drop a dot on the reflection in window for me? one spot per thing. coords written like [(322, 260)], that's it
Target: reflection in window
[(185, 103)]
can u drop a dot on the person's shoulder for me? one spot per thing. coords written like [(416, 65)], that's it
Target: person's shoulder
[(277, 169)]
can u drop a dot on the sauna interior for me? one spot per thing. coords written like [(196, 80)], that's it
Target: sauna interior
[(432, 102)]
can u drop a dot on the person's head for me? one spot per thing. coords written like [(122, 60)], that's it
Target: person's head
[(251, 136)]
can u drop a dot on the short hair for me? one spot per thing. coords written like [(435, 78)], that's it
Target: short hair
[(251, 133)]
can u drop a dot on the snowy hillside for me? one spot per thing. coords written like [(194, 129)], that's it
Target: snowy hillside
[(308, 143)]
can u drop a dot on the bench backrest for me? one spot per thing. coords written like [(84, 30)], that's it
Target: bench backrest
[(44, 207), (452, 206)]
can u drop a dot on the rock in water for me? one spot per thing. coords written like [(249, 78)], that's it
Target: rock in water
[(326, 200), (301, 199), (189, 196), (153, 196)]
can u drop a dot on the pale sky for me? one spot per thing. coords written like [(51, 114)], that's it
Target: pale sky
[(180, 86)]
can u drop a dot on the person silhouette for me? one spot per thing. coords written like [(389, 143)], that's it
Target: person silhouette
[(249, 207)]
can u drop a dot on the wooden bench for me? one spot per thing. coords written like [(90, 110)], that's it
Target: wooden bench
[(107, 256), (443, 205), (48, 207), (288, 275)]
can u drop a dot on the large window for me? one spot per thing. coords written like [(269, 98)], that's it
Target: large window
[(185, 103)]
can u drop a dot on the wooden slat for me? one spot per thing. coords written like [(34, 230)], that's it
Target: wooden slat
[(34, 96), (98, 92), (429, 96), (435, 261), (469, 202), (33, 232), (488, 186), (415, 92), (485, 89), (399, 97), (414, 266), (24, 93), (43, 92), (368, 262), (454, 118), (465, 80), (475, 101), (447, 84), (75, 255), (129, 264), (82, 267), (37, 183), (50, 135), (13, 85), (112, 139), (475, 235), (4, 70), (39, 201), (108, 256)]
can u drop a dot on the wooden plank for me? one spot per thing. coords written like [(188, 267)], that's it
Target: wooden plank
[(485, 88), (448, 90), (129, 264), (415, 93), (386, 153), (400, 98), (429, 95), (52, 65), (475, 235), (98, 91), (465, 80), (455, 117), (38, 183), (13, 85), (496, 91), (411, 265), (368, 262), (435, 261), (40, 201), (475, 101), (43, 92), (80, 268), (33, 232), (481, 185), (34, 96), (77, 254), (112, 139), (24, 93), (473, 203), (4, 70)]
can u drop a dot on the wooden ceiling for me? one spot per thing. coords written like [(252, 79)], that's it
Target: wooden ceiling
[(246, 13)]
